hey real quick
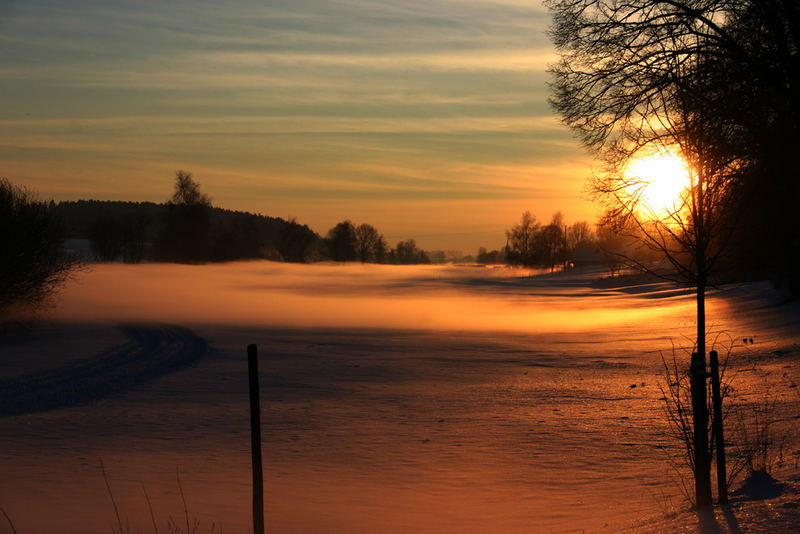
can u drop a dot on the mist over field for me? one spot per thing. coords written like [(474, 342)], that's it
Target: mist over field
[(429, 297)]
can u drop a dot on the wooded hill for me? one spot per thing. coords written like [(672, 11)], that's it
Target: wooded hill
[(137, 231)]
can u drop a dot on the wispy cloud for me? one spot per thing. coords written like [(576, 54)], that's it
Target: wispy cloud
[(244, 125), (302, 103)]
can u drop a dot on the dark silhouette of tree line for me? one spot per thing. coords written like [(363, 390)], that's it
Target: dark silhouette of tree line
[(347, 242), (490, 257), (188, 228), (532, 243), (119, 236)]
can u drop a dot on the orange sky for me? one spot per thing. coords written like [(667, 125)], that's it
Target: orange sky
[(426, 119)]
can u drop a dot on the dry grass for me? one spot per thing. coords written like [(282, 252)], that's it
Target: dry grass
[(187, 524)]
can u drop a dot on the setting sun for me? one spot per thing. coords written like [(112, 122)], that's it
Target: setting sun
[(661, 177)]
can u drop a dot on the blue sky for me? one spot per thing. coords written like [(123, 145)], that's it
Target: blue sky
[(427, 119)]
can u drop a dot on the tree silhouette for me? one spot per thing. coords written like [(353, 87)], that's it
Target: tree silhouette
[(295, 241), (625, 65), (520, 241), (370, 245), (342, 242), (552, 242), (187, 192), (580, 235), (407, 252), (33, 264), (187, 225), (638, 78), (531, 243)]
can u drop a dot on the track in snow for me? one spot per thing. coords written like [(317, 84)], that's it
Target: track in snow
[(152, 351)]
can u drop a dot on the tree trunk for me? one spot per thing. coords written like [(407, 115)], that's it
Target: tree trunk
[(716, 395), (702, 464)]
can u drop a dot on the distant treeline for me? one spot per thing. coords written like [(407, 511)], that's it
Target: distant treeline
[(187, 228), (533, 244), (347, 242), (139, 231)]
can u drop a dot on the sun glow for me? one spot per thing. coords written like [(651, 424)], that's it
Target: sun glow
[(661, 179)]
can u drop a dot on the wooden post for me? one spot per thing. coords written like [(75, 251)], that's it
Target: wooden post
[(702, 463), (716, 399), (255, 440)]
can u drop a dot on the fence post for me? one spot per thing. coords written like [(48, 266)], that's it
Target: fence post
[(702, 463), (716, 395), (255, 440)]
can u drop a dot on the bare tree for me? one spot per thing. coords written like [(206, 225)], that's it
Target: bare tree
[(187, 192), (370, 245), (580, 235), (617, 73), (553, 241), (520, 240), (33, 264), (633, 79)]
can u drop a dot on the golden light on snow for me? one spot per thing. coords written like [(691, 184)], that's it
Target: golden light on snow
[(660, 179), (430, 398), (262, 293)]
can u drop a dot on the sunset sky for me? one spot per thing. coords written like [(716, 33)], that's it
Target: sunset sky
[(428, 119)]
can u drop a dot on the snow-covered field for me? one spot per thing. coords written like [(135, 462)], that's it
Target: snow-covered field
[(395, 399)]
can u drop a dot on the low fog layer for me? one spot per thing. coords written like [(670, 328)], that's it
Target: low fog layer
[(371, 296)]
